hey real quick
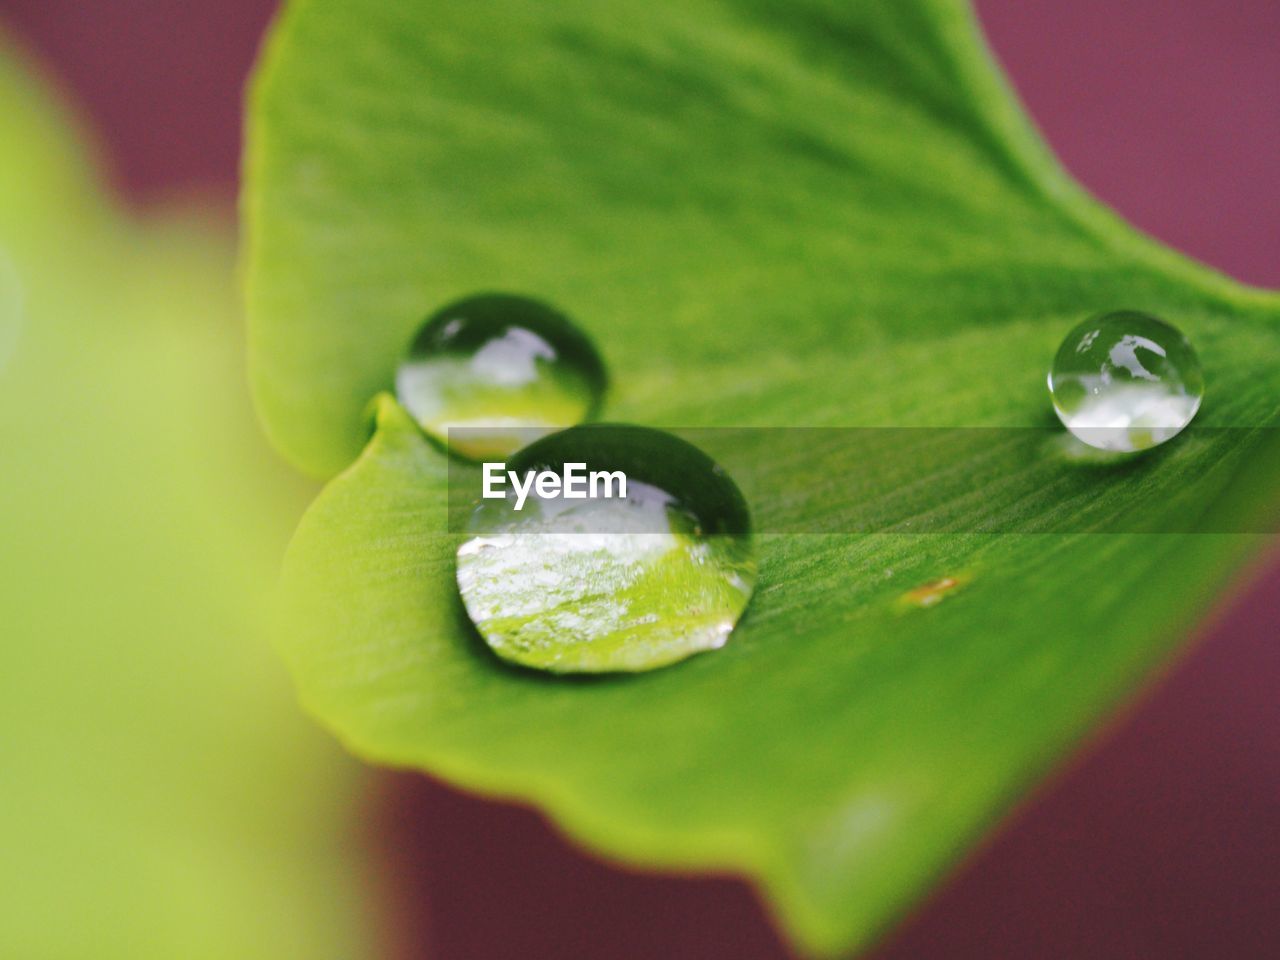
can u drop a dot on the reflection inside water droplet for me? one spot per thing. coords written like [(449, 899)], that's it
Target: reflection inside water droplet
[(1125, 381), (603, 585), (508, 364)]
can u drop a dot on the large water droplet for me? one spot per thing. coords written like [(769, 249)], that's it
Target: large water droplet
[(507, 364), (623, 584), (1125, 381)]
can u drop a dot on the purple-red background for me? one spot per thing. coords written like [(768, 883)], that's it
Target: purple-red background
[(1163, 838)]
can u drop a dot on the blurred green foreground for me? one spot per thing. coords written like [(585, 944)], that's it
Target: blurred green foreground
[(160, 796)]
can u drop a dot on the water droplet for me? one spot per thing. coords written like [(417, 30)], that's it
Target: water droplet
[(1125, 381), (511, 365), (934, 592), (621, 584)]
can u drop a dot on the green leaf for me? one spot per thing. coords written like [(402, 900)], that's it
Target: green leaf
[(160, 796), (818, 214)]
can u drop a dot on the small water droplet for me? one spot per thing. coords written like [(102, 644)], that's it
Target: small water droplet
[(508, 364), (1125, 381), (622, 584), (934, 592)]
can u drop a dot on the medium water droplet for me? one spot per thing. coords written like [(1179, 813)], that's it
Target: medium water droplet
[(623, 584), (508, 364), (1125, 381)]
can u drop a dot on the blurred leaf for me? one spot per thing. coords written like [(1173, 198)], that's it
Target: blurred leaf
[(819, 214), (160, 798)]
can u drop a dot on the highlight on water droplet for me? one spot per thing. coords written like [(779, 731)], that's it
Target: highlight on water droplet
[(510, 365), (604, 584), (934, 592), (1125, 381)]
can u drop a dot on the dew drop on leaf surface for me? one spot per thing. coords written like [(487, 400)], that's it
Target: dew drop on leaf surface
[(1125, 381), (512, 366), (611, 584)]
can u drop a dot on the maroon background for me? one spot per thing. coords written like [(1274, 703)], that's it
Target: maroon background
[(1163, 838)]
